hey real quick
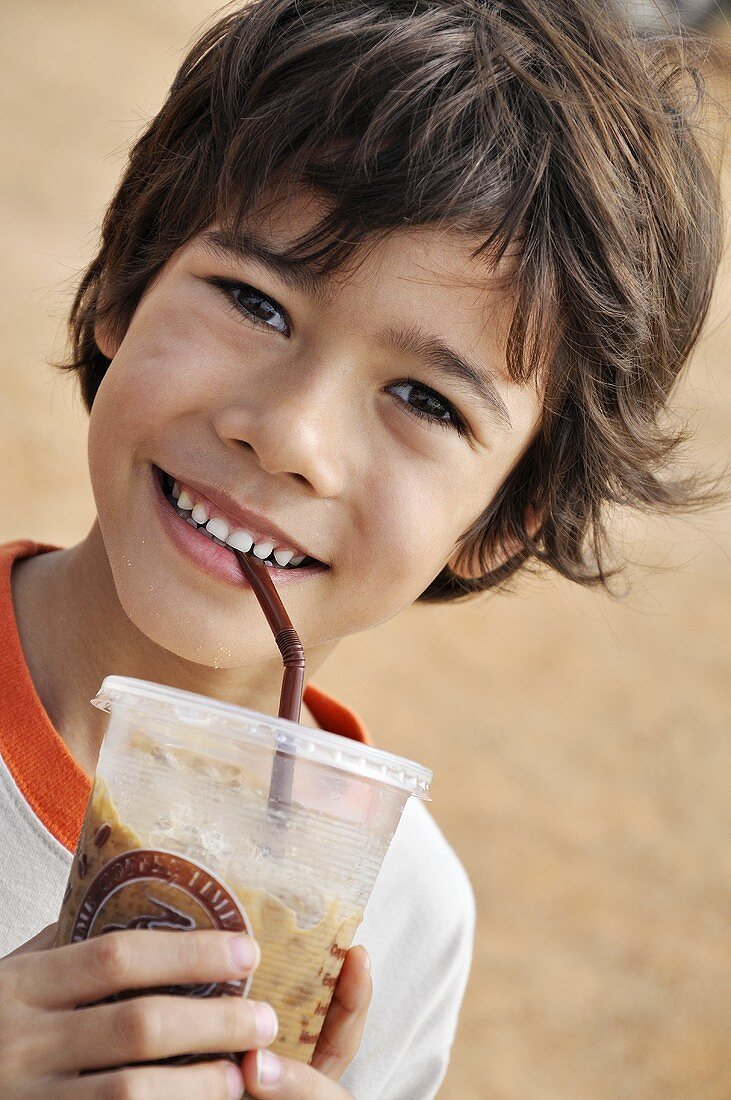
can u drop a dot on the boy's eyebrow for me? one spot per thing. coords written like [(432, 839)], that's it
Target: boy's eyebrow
[(446, 360), (245, 245)]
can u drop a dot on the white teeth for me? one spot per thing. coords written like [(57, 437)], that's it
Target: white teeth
[(240, 540), (219, 528), (263, 549), (283, 557)]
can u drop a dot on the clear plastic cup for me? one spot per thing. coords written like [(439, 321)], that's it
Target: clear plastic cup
[(180, 833)]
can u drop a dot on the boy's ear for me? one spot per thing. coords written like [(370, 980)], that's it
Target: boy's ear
[(106, 339), (469, 568), (107, 335)]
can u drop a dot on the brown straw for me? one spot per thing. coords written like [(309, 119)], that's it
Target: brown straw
[(293, 656)]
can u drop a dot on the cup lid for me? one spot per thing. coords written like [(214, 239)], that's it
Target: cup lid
[(239, 723)]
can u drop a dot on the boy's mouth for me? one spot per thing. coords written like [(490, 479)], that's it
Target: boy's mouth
[(205, 517)]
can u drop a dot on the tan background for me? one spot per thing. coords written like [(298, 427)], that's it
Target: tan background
[(582, 748)]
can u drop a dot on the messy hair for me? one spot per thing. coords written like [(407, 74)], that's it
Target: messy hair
[(554, 134)]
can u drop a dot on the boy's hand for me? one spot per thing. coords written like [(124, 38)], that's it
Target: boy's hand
[(337, 1046), (45, 1043)]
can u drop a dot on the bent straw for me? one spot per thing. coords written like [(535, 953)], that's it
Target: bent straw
[(293, 657)]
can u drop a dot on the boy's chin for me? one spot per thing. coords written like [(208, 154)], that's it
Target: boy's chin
[(181, 637)]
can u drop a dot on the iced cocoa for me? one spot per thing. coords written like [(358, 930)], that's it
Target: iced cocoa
[(187, 828), (165, 878)]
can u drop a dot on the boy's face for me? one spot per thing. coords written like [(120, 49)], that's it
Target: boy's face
[(307, 416)]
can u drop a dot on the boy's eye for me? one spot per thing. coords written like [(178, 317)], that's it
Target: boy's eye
[(421, 401), (427, 404), (258, 307)]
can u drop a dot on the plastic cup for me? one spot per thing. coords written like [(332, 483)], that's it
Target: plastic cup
[(180, 833)]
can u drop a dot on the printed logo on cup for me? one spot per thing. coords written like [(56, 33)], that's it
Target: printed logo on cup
[(152, 888)]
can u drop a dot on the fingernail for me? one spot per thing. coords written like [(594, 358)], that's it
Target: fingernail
[(244, 952), (366, 960), (268, 1068), (234, 1082), (267, 1024)]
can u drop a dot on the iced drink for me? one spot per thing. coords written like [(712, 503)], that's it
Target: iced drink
[(180, 834)]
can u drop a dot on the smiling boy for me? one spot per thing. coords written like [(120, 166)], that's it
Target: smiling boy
[(391, 297)]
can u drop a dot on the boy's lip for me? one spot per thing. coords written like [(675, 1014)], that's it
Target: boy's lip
[(213, 558), (224, 505)]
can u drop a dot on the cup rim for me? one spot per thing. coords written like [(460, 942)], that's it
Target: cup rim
[(279, 734)]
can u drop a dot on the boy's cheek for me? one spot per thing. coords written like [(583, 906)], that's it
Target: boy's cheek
[(147, 387), (383, 580)]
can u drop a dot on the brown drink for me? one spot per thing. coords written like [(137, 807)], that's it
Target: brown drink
[(180, 833)]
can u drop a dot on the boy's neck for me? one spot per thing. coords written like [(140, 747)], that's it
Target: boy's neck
[(74, 632)]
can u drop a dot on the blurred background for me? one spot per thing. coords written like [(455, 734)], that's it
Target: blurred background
[(582, 747)]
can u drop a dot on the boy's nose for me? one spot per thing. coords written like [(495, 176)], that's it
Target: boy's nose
[(292, 433)]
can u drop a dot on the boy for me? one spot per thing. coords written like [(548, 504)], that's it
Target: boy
[(397, 295)]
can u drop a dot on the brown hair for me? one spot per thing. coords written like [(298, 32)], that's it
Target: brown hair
[(553, 131)]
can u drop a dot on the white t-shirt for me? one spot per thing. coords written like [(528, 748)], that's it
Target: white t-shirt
[(418, 930), (418, 926)]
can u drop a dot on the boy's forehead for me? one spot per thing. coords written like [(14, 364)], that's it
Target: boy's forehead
[(284, 217)]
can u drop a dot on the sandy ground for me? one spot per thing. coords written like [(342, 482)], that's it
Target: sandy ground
[(581, 746)]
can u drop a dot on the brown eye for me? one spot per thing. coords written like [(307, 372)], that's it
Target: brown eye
[(256, 307), (259, 307), (424, 402)]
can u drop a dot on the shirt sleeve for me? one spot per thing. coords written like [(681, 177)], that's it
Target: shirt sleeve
[(424, 1061), (419, 933)]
